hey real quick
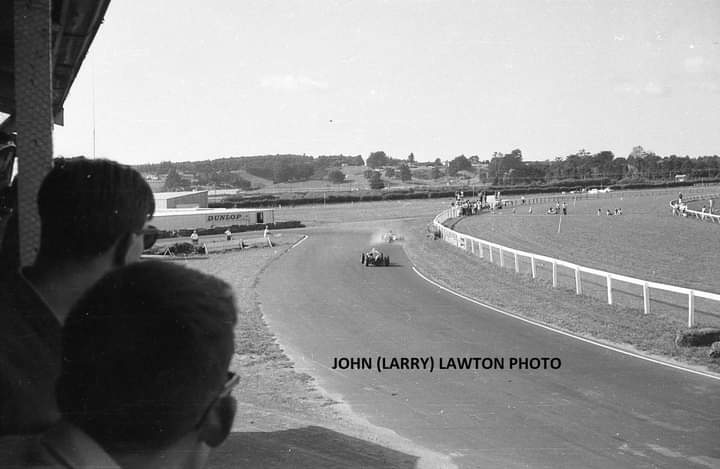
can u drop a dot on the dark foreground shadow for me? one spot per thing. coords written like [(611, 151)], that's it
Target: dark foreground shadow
[(307, 447)]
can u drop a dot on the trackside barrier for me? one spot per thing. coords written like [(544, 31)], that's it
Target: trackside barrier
[(704, 216), (462, 240)]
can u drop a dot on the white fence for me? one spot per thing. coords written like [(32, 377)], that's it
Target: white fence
[(704, 216), (486, 249)]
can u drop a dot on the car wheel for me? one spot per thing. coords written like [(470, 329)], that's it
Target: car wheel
[(362, 259)]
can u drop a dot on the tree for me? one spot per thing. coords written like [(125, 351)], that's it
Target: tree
[(411, 158), (389, 172), (438, 162), (336, 176), (405, 174), (435, 172), (377, 159), (460, 163), (376, 182), (173, 180)]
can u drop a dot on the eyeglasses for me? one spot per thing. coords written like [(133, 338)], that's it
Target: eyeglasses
[(232, 381), (150, 235)]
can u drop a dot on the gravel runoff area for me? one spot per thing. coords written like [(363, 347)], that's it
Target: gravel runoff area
[(284, 419)]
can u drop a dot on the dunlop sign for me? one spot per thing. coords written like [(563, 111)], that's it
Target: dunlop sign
[(227, 217)]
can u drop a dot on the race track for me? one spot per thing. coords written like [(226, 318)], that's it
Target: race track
[(600, 409)]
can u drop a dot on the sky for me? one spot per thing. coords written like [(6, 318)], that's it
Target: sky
[(179, 80)]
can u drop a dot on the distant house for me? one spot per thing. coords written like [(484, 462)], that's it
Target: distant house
[(680, 177)]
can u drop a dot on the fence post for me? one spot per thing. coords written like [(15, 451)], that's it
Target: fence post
[(517, 265), (609, 289), (646, 298), (472, 246), (578, 282), (554, 273), (691, 308), (502, 258), (532, 266)]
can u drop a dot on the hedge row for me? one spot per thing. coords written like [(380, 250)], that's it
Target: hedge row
[(307, 198)]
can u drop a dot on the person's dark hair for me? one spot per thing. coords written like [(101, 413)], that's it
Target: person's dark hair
[(88, 205), (145, 352)]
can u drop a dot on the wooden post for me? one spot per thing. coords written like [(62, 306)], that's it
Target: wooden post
[(491, 253), (554, 274), (609, 289), (578, 282), (517, 265), (502, 258), (480, 249), (646, 298), (691, 308), (532, 267)]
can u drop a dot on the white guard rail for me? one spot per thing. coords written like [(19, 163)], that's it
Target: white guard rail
[(467, 242), (704, 216)]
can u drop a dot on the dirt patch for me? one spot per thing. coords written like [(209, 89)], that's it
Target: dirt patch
[(536, 299)]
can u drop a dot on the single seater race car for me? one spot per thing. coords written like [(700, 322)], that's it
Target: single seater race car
[(374, 257), (389, 237)]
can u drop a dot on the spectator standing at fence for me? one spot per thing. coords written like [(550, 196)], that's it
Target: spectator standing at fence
[(228, 235), (194, 237), (564, 208), (92, 218), (599, 212)]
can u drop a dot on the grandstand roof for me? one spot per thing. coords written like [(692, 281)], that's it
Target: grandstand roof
[(74, 25)]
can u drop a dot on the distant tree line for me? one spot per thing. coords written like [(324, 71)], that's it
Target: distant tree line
[(639, 166), (223, 172)]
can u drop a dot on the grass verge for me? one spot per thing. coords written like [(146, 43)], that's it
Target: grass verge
[(536, 299)]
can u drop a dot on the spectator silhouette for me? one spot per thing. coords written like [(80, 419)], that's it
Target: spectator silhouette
[(144, 380), (92, 216)]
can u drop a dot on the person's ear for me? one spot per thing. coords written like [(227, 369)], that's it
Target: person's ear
[(216, 426)]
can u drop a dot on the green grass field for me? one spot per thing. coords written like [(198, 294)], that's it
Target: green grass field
[(646, 242)]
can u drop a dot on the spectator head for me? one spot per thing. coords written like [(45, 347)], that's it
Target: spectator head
[(93, 207), (145, 360)]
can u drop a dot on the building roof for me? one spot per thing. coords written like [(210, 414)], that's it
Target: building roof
[(74, 25), (175, 195), (207, 211)]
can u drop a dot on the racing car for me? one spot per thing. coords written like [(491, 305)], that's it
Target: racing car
[(374, 257), (389, 237)]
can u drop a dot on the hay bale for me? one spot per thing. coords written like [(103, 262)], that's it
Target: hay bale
[(714, 351), (701, 337)]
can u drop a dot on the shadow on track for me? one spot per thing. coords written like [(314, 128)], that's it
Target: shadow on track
[(307, 447)]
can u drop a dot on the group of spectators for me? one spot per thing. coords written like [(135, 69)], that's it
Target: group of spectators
[(609, 211), (680, 208), (106, 361)]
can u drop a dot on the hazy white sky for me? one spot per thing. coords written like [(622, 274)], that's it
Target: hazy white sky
[(180, 80)]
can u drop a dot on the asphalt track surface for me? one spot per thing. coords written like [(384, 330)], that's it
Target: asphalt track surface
[(600, 409)]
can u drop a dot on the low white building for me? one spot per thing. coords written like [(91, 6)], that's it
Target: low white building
[(208, 218)]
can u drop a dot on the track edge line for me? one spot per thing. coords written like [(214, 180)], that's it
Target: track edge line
[(569, 334)]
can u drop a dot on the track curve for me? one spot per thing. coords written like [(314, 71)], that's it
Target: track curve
[(600, 409)]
